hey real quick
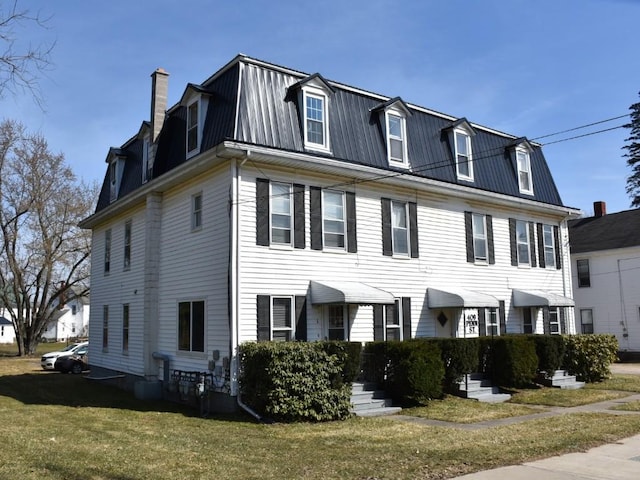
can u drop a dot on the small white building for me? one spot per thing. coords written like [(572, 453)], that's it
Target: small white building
[(605, 262), (69, 321), (7, 332)]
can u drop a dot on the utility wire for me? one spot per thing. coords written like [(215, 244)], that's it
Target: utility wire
[(581, 127)]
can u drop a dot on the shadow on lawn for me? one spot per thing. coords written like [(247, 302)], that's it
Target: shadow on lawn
[(54, 388)]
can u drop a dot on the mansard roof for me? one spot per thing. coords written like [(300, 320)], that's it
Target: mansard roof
[(250, 104)]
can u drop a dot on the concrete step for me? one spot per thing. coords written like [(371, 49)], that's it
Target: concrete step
[(378, 412), (368, 401), (561, 379), (492, 398)]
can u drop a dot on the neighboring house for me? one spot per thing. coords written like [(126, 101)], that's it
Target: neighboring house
[(70, 320), (605, 259), (268, 204), (7, 332)]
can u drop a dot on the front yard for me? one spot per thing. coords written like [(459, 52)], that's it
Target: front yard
[(59, 426)]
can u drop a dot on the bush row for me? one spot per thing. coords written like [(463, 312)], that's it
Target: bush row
[(301, 381)]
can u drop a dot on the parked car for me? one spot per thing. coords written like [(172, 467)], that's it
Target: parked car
[(76, 363), (48, 360)]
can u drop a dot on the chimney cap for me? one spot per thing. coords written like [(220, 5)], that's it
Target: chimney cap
[(160, 70)]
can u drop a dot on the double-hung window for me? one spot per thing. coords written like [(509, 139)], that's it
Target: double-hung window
[(525, 182), (282, 319), (584, 277), (105, 327), (315, 120), (191, 329), (396, 143), (400, 228), (479, 237), (586, 320), (127, 245), (336, 317), (491, 319), (196, 211), (125, 327), (554, 321), (192, 126), (464, 163), (393, 329), (107, 251), (333, 219), (549, 246), (522, 243), (281, 213)]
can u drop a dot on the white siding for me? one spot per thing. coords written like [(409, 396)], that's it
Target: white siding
[(614, 294)]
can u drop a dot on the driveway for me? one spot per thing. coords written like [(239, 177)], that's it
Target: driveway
[(626, 368)]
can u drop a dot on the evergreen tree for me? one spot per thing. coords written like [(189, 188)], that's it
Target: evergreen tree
[(633, 155)]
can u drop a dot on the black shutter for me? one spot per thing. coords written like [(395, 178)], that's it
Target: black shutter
[(514, 245), (482, 323), (352, 237), (315, 196), (491, 253), (264, 318), (413, 229), (406, 318), (543, 262), (468, 230), (562, 319), (378, 323), (298, 216), (262, 211), (301, 318), (387, 246), (502, 314), (532, 244), (556, 236), (546, 321)]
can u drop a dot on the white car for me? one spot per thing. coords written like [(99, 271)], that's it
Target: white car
[(48, 360)]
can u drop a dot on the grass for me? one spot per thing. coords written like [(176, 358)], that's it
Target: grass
[(620, 382), (629, 406), (556, 397), (57, 426), (458, 410)]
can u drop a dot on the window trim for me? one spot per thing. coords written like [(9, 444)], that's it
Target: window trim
[(146, 169), (527, 157), (476, 236), (272, 212), (528, 243), (345, 321), (549, 249), (318, 94), (191, 332), (343, 220), (398, 162), (292, 319), (107, 251), (193, 127), (127, 245), (491, 313), (582, 322), (397, 320), (407, 232), (469, 154), (582, 281), (554, 313), (196, 211)]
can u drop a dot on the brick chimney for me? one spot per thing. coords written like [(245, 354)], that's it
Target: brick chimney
[(599, 209), (159, 91)]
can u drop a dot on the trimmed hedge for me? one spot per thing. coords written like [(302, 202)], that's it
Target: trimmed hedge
[(510, 360), (294, 381), (348, 354), (459, 356), (589, 357), (550, 350)]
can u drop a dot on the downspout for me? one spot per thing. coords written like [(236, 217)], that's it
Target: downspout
[(234, 287), (623, 307)]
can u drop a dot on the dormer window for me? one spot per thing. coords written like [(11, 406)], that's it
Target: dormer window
[(313, 94), (115, 159), (146, 164), (192, 127), (113, 180), (464, 161), (396, 138), (523, 161)]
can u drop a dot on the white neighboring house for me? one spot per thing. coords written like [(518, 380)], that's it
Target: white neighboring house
[(605, 261), (7, 332), (70, 321), (268, 204)]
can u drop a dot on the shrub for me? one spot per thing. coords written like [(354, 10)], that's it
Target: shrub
[(512, 360), (589, 357), (348, 354), (415, 371), (459, 356), (294, 381), (550, 350)]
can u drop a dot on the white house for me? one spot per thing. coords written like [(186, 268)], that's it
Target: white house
[(268, 204), (605, 259), (7, 332), (71, 320)]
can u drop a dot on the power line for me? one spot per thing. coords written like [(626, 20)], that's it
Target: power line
[(581, 127), (583, 135)]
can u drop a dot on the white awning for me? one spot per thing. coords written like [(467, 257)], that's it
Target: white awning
[(540, 298), (459, 298), (338, 292)]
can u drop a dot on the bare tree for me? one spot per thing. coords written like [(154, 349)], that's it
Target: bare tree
[(21, 63), (44, 255)]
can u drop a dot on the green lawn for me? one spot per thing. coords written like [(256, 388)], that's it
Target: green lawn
[(625, 383), (556, 397), (59, 426)]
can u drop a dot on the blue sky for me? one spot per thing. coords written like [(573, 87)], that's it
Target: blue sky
[(523, 67)]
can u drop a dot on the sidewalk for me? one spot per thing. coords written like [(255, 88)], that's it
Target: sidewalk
[(617, 461)]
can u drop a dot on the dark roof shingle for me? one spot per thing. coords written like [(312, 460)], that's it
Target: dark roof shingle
[(615, 230)]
